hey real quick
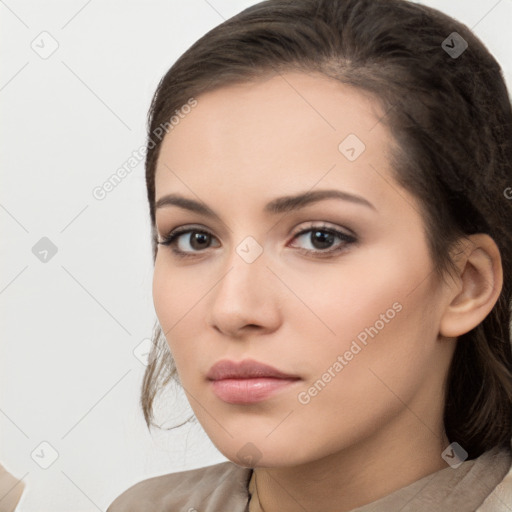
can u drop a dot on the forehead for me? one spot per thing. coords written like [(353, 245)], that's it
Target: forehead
[(289, 127)]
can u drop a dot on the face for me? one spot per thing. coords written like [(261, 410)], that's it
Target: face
[(337, 293)]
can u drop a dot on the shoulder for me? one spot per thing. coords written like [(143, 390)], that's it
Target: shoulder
[(217, 486), (500, 499), (11, 489)]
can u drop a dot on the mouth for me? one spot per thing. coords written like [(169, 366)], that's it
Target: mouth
[(248, 381)]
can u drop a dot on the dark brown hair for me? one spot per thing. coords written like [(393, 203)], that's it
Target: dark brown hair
[(451, 118)]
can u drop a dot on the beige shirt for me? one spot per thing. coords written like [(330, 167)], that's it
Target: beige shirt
[(11, 489), (480, 485)]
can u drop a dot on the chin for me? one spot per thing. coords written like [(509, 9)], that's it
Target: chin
[(260, 452)]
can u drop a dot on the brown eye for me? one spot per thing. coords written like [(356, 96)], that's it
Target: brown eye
[(195, 241), (322, 239), (199, 240)]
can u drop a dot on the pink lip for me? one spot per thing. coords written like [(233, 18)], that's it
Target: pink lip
[(246, 369), (248, 381)]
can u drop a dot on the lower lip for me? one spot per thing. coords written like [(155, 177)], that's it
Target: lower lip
[(249, 391)]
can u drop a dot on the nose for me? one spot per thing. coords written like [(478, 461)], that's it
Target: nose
[(246, 298)]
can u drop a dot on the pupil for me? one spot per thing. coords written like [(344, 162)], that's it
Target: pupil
[(197, 238), (323, 238)]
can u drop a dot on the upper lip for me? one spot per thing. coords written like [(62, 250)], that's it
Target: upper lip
[(246, 369)]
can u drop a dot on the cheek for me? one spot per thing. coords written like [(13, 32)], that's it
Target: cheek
[(162, 296), (348, 303), (347, 400), (378, 320), (169, 298), (174, 292), (177, 303)]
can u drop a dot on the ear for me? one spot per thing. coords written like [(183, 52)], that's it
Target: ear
[(476, 288)]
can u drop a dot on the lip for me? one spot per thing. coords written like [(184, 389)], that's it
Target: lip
[(247, 381), (246, 369)]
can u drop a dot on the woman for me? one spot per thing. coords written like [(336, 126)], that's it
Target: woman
[(332, 216)]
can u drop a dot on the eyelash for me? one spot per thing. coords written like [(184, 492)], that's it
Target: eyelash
[(171, 238)]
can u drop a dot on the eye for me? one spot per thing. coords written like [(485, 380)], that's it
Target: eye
[(180, 244), (321, 239)]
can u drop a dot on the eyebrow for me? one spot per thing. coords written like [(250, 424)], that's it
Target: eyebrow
[(276, 206)]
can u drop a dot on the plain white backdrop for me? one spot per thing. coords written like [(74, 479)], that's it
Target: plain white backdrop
[(76, 81)]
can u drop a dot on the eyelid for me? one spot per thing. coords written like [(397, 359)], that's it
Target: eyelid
[(182, 229), (321, 225)]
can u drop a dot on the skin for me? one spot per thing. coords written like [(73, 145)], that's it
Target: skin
[(377, 425)]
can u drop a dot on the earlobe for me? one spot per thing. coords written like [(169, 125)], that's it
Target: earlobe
[(478, 286)]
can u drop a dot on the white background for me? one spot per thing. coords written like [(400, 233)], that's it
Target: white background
[(68, 372)]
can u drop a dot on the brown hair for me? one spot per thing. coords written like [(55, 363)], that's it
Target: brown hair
[(451, 118)]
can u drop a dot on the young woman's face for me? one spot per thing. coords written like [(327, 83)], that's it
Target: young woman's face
[(337, 292)]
